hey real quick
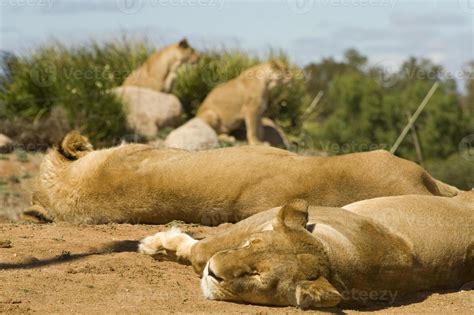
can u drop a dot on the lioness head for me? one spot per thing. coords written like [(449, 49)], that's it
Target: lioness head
[(273, 73), (72, 147), (285, 266), (185, 53), (279, 73)]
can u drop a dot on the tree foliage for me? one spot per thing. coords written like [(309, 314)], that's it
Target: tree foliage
[(367, 107), (364, 109)]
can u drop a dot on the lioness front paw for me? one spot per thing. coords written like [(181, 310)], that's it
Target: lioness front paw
[(151, 245), (171, 242)]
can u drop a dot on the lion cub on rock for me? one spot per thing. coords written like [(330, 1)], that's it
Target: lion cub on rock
[(311, 257), (139, 183)]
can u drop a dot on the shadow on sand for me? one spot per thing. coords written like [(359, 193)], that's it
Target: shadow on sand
[(113, 247)]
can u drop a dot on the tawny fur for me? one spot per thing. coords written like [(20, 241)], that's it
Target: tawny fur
[(139, 183), (378, 249), (160, 69), (243, 99)]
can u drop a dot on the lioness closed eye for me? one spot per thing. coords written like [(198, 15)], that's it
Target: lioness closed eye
[(312, 257)]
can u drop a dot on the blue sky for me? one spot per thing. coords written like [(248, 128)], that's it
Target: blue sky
[(388, 31)]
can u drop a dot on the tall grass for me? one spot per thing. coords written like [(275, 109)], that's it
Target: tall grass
[(75, 79)]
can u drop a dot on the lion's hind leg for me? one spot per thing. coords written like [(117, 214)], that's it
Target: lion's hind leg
[(172, 240)]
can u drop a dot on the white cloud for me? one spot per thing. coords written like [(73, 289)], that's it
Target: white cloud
[(78, 6)]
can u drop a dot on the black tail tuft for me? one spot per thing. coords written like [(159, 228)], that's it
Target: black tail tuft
[(74, 146)]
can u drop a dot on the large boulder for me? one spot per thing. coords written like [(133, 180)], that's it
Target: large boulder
[(193, 136), (272, 134), (148, 110), (6, 144)]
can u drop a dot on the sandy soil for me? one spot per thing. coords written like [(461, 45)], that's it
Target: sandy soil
[(62, 268)]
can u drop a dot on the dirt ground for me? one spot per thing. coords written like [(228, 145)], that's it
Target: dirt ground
[(63, 268)]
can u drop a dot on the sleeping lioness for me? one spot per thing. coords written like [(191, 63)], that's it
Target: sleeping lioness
[(372, 250), (243, 99), (160, 69), (139, 183)]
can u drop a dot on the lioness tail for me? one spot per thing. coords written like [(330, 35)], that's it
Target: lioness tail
[(74, 146)]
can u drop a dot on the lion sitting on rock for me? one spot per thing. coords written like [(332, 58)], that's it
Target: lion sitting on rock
[(139, 183), (145, 93), (243, 99), (311, 257)]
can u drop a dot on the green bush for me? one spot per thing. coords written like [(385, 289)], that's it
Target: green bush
[(75, 79), (366, 112), (215, 67), (456, 170)]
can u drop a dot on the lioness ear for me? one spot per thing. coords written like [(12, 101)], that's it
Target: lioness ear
[(277, 64), (184, 43), (74, 146), (293, 214), (317, 293), (36, 214)]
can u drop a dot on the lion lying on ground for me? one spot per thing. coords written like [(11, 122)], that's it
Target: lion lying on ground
[(376, 249), (138, 183), (160, 69), (243, 99)]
